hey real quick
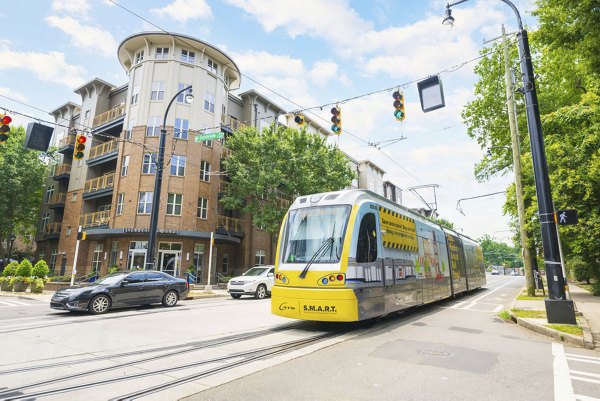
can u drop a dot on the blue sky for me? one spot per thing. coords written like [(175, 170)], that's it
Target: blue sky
[(309, 52)]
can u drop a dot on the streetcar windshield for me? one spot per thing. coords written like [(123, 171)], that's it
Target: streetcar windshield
[(308, 229)]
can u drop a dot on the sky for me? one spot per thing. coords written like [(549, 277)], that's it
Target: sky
[(302, 54)]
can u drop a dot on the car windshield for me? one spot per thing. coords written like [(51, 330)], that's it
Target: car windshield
[(110, 280), (256, 271)]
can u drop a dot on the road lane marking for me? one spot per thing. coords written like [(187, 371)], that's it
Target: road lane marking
[(583, 360), (592, 358), (585, 398), (10, 302), (492, 291), (563, 388)]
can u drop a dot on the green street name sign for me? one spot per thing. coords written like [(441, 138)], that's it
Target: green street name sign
[(209, 136)]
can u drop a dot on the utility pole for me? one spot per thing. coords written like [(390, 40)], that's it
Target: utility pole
[(516, 153)]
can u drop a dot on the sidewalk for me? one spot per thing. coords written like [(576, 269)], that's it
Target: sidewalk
[(587, 310)]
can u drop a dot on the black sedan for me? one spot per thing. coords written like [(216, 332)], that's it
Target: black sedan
[(122, 289)]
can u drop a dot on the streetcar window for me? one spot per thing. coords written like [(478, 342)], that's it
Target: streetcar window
[(366, 249)]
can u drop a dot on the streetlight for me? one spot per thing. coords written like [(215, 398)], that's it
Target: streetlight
[(151, 261), (13, 238), (558, 308)]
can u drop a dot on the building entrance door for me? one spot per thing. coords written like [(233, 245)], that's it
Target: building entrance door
[(169, 257)]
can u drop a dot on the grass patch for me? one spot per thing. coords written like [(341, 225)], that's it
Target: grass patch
[(539, 296), (539, 314), (504, 315), (587, 287), (567, 328)]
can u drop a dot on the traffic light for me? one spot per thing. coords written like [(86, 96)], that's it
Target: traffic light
[(299, 119), (336, 119), (4, 127), (78, 153), (399, 106)]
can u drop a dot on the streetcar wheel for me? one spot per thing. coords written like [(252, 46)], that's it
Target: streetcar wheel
[(261, 292), (170, 298), (236, 296), (99, 305)]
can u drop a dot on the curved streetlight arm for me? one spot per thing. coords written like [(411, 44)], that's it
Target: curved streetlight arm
[(164, 126)]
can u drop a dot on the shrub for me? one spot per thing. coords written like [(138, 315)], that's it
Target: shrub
[(596, 288), (580, 270), (113, 269), (40, 270), (24, 269), (11, 269)]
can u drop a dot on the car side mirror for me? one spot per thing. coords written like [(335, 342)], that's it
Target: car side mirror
[(124, 282), (270, 275)]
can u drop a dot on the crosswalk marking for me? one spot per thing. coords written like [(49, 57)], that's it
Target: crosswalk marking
[(12, 302), (564, 376), (586, 398)]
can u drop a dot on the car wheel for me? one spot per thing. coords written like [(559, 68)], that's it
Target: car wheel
[(236, 296), (170, 298), (261, 292), (99, 304)]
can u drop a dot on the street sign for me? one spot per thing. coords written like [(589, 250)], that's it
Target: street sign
[(209, 136), (566, 217)]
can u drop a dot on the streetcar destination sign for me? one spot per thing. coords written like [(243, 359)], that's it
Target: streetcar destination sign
[(209, 136)]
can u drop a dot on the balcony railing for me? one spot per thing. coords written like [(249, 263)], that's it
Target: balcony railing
[(95, 219), (110, 115), (62, 169), (96, 184), (229, 224), (68, 140), (103, 148), (53, 229), (58, 198), (231, 122)]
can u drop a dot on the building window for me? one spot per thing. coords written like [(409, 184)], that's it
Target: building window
[(53, 257), (180, 130), (68, 231), (120, 203), (114, 251), (158, 90), (86, 116), (174, 204), (74, 197), (49, 193), (129, 132), (178, 165), (124, 166), (153, 128), (181, 96), (204, 171), (209, 102), (149, 163), (260, 257), (225, 262), (202, 212), (161, 52), (45, 221), (145, 202), (213, 66), (187, 56), (97, 259), (135, 94), (226, 80), (139, 57)]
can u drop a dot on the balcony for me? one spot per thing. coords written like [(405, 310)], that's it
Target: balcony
[(96, 219), (67, 144), (230, 125), (57, 201), (104, 152), (99, 187), (229, 226), (52, 231), (62, 172), (110, 116)]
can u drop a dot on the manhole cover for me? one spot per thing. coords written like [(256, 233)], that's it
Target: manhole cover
[(438, 354)]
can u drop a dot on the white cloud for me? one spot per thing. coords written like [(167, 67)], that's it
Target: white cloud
[(84, 36), (50, 67), (12, 94), (182, 10), (78, 7)]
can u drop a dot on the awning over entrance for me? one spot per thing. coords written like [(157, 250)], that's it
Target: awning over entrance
[(103, 233)]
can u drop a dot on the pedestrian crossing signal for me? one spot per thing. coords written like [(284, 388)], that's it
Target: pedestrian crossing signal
[(81, 235)]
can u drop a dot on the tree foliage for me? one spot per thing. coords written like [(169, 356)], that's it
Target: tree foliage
[(21, 186), (269, 169), (499, 254)]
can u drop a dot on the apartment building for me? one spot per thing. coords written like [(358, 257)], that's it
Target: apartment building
[(109, 192)]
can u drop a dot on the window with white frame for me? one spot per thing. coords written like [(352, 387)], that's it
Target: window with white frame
[(69, 231), (158, 90), (213, 66), (97, 258), (120, 203), (226, 79), (45, 221), (161, 53), (260, 257), (139, 57), (187, 56), (49, 193), (209, 102), (204, 171), (178, 165), (53, 257), (208, 144), (114, 251), (174, 204), (145, 202), (202, 212), (135, 94), (180, 130), (129, 132), (149, 163), (181, 97), (124, 165), (153, 127), (86, 116)]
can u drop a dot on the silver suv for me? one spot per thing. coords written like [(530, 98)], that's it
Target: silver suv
[(257, 281)]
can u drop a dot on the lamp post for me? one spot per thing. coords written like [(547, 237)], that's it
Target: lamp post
[(558, 308), (151, 255), (13, 238)]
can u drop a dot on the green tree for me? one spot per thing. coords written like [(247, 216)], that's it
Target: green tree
[(269, 169), (498, 253), (444, 223), (21, 186)]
